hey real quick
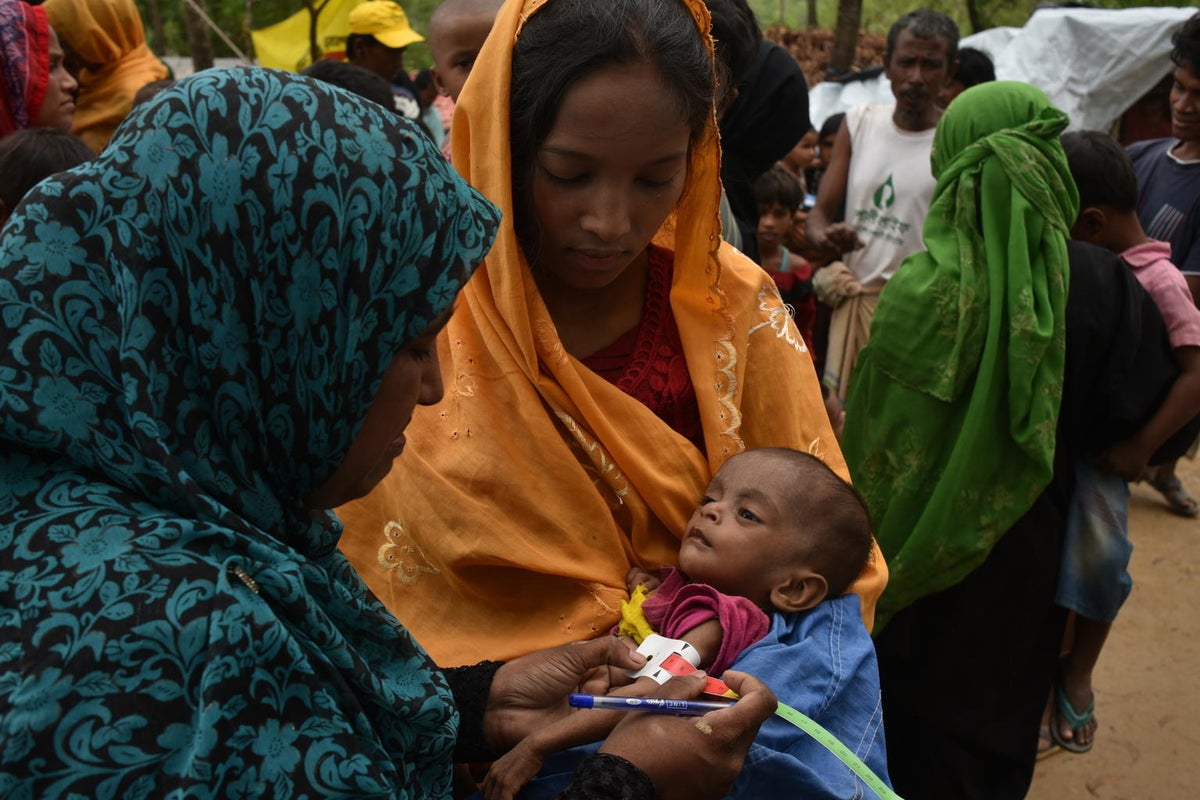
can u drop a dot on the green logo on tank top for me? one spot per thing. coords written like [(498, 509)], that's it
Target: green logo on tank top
[(885, 195)]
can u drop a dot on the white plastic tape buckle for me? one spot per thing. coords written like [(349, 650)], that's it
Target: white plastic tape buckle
[(666, 658)]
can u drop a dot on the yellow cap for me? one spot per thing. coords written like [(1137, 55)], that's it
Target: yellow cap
[(384, 20)]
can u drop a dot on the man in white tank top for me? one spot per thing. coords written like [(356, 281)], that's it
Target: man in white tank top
[(876, 190)]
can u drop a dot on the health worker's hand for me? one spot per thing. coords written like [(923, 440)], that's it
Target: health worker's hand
[(693, 758), (530, 692)]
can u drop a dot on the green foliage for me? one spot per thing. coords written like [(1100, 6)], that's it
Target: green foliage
[(878, 15)]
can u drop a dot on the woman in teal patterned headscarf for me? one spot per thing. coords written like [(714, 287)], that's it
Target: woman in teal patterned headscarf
[(211, 333), (194, 327)]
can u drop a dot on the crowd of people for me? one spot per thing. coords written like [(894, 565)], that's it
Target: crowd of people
[(343, 441)]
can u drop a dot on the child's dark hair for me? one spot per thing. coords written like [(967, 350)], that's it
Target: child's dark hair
[(777, 185), (923, 24), (1101, 169), (569, 40), (1185, 44), (28, 156), (831, 125), (353, 78), (840, 528), (974, 67)]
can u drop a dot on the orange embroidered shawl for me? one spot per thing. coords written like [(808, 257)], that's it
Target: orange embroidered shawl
[(527, 494)]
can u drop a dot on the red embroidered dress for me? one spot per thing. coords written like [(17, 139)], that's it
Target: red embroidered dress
[(647, 362)]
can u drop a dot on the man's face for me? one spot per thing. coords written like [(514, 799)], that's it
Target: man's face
[(386, 62), (918, 70), (1185, 102)]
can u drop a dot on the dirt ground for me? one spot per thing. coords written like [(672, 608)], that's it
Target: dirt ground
[(1147, 692)]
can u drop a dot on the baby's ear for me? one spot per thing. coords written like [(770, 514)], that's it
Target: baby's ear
[(802, 590)]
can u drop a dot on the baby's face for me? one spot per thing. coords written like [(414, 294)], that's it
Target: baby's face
[(455, 45), (744, 536)]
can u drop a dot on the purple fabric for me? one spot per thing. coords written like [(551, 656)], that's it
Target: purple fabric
[(675, 607)]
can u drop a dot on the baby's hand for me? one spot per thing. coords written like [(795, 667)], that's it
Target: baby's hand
[(509, 773), (639, 577)]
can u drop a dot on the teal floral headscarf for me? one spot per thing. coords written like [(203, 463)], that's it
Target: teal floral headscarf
[(194, 326)]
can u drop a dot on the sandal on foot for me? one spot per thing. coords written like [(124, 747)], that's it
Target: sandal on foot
[(1063, 711), (1178, 500)]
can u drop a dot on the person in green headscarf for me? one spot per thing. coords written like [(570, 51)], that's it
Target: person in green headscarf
[(981, 378)]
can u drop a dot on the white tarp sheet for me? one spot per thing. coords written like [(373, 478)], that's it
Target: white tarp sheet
[(1092, 63)]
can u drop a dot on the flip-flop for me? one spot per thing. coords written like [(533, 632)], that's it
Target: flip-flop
[(1178, 500), (1062, 710)]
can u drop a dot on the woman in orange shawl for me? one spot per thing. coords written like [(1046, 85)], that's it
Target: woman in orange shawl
[(539, 482), (108, 44)]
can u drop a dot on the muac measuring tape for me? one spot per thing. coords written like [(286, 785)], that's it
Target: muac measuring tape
[(666, 658)]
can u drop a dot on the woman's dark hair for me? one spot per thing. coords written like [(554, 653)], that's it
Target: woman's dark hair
[(736, 36), (568, 40), (1101, 169), (1186, 44), (28, 156), (777, 185)]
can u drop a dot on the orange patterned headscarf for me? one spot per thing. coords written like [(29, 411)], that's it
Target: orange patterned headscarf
[(525, 497), (109, 36)]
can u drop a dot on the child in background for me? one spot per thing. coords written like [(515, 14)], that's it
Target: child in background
[(457, 31), (825, 139), (1094, 580), (801, 157), (780, 197), (974, 67), (29, 156), (431, 118), (767, 555)]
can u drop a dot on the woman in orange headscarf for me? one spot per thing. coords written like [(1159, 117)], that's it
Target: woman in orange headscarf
[(106, 40), (608, 357)]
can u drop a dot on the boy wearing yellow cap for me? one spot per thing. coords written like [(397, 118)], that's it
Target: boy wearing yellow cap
[(379, 32)]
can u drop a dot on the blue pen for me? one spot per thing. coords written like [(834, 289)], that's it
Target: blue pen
[(656, 705)]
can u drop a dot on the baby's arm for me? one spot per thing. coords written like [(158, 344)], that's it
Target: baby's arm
[(1130, 458), (509, 773)]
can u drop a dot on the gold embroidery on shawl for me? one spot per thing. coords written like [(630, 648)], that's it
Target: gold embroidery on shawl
[(402, 554), (604, 614), (779, 318), (612, 477), (547, 335), (462, 387)]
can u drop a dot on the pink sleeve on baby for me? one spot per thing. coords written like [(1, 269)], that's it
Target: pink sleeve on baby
[(677, 606)]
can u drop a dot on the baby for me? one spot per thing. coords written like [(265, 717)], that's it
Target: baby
[(777, 532)]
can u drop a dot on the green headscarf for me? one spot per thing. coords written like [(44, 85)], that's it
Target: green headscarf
[(951, 420)]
